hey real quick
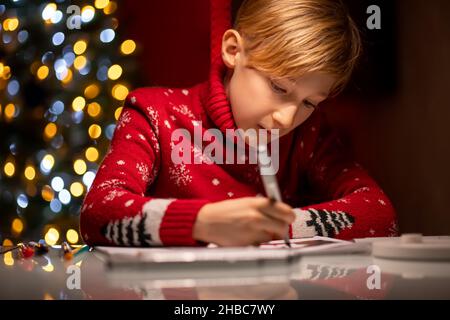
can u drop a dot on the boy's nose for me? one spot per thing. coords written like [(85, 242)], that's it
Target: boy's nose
[(284, 118)]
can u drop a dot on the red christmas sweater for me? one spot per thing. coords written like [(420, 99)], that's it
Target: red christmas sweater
[(140, 197)]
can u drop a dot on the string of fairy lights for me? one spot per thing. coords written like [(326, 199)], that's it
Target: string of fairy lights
[(68, 86)]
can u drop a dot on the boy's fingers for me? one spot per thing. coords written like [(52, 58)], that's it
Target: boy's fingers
[(279, 211), (272, 225), (263, 237)]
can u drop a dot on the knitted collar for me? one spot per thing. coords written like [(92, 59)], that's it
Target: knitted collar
[(215, 100)]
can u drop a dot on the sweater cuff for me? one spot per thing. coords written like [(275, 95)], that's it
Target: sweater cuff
[(178, 223)]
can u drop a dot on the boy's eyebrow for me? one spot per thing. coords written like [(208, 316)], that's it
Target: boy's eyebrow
[(322, 95)]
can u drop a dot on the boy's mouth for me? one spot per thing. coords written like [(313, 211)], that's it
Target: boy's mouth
[(267, 132)]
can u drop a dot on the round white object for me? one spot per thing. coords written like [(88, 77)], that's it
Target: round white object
[(413, 247)]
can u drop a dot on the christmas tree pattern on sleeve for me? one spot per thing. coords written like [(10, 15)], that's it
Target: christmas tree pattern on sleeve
[(312, 222)]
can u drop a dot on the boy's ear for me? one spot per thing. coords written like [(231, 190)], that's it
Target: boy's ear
[(232, 48)]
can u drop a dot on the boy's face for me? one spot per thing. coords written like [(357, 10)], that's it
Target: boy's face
[(259, 102)]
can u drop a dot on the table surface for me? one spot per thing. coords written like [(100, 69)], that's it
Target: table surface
[(347, 276)]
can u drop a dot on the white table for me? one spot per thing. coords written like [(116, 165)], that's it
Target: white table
[(348, 276)]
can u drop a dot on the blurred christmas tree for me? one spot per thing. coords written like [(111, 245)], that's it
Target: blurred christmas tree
[(64, 74)]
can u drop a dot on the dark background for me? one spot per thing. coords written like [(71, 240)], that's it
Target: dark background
[(395, 112)]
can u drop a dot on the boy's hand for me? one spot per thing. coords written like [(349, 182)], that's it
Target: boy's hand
[(242, 222)]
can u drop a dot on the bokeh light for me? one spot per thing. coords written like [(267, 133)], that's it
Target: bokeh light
[(76, 189), (91, 154), (79, 47), (79, 166), (50, 130), (95, 131), (78, 103), (30, 172), (72, 236), (52, 236), (9, 169), (91, 91), (128, 47), (17, 226), (119, 92), (47, 193), (94, 109), (114, 72)]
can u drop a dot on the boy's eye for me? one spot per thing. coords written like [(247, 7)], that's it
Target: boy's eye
[(276, 88), (309, 104)]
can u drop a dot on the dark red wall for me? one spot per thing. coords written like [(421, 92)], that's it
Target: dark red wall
[(173, 38)]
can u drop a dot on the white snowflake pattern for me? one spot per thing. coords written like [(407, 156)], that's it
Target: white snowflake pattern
[(155, 143), (113, 194), (143, 171), (120, 162), (170, 90), (356, 179), (372, 232), (129, 203), (154, 116), (112, 183), (366, 200), (133, 99), (382, 202), (125, 118), (141, 136), (167, 124), (343, 201), (364, 189), (173, 118), (215, 182), (185, 92), (184, 110), (128, 136), (311, 155), (180, 175), (230, 194)]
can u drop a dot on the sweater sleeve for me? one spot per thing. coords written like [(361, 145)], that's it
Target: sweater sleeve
[(347, 202), (116, 210)]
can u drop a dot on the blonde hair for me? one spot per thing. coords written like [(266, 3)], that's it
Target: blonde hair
[(289, 38)]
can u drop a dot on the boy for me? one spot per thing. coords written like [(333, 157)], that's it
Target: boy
[(278, 63)]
